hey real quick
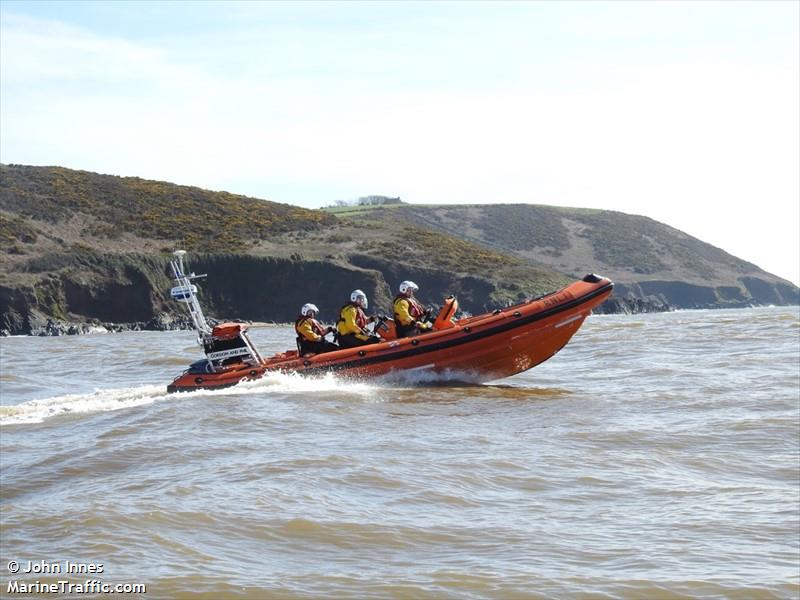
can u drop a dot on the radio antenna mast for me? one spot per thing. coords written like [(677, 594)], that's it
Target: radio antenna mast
[(186, 293)]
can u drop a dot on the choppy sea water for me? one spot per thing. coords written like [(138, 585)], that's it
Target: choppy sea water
[(656, 456)]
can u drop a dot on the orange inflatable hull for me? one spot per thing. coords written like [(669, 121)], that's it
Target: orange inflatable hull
[(481, 348)]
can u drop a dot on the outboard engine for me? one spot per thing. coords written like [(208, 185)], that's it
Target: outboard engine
[(228, 344)]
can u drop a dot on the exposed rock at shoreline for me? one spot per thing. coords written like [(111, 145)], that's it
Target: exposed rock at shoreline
[(41, 325), (632, 305)]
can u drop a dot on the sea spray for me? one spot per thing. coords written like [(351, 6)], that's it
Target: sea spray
[(103, 400), (36, 411)]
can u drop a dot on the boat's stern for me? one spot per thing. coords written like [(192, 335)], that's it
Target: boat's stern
[(230, 355)]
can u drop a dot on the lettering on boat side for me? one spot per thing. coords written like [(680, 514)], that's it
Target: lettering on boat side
[(556, 299), (228, 353)]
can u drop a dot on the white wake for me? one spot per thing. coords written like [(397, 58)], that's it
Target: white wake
[(104, 400)]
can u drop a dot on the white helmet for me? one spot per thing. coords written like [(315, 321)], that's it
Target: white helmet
[(408, 285), (307, 308), (360, 298)]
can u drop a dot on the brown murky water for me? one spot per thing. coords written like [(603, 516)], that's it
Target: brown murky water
[(656, 456)]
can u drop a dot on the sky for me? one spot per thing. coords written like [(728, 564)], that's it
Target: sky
[(685, 112)]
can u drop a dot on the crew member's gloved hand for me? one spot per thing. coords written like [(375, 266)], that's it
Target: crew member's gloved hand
[(330, 329), (371, 319)]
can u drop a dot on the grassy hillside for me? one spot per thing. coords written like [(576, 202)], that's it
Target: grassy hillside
[(628, 248), (153, 210)]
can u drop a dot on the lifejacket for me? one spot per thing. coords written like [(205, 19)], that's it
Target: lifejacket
[(360, 321), (315, 327), (415, 309)]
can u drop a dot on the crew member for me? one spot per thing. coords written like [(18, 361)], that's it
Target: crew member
[(310, 333), (352, 324), (409, 315)]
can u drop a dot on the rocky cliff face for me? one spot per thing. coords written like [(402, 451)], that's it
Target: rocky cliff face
[(84, 287), (751, 292), (134, 289), (80, 293), (81, 250)]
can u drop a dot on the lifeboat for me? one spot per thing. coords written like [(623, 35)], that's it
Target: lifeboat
[(486, 347)]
